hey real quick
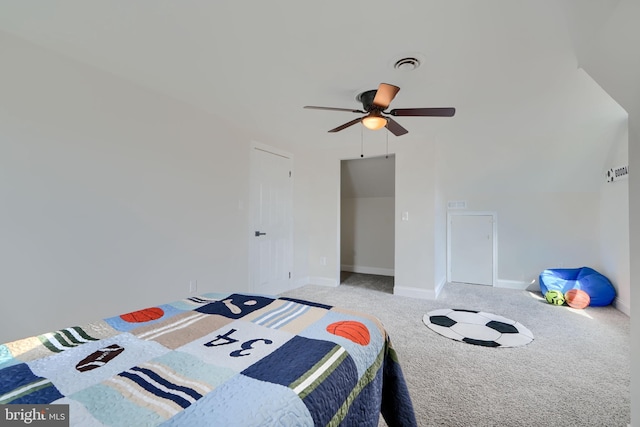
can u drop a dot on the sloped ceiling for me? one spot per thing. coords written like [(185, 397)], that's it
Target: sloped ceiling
[(508, 67), (368, 177)]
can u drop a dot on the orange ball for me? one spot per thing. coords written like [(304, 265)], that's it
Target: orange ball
[(577, 298)]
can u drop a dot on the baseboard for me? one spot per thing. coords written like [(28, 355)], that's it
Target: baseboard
[(622, 306), (367, 270), (323, 281), (407, 291), (512, 284), (302, 281)]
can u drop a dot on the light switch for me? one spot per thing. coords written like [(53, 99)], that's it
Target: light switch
[(405, 216)]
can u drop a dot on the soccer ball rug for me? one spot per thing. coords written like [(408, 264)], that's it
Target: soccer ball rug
[(478, 327)]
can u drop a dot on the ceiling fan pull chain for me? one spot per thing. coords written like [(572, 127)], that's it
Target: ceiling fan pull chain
[(361, 141), (387, 133)]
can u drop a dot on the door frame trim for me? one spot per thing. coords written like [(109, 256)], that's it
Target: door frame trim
[(494, 215), (395, 208)]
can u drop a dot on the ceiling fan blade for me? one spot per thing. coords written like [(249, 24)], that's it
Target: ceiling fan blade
[(385, 95), (395, 128), (351, 110), (346, 125), (433, 112)]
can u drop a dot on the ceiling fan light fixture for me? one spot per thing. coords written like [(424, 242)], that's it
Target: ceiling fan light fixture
[(374, 122)]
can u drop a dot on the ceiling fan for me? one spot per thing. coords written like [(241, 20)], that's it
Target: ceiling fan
[(374, 104)]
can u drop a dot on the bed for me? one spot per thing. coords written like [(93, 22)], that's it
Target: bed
[(214, 360)]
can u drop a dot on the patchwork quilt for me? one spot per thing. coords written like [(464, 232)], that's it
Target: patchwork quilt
[(215, 360)]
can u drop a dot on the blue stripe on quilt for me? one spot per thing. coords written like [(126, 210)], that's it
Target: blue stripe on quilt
[(324, 398), (291, 361), (367, 401), (245, 402), (157, 389), (281, 316), (119, 400), (169, 385), (18, 384)]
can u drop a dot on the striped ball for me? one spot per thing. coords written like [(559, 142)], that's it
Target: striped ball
[(577, 298)]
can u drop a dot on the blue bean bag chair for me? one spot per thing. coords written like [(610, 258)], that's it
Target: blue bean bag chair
[(599, 288)]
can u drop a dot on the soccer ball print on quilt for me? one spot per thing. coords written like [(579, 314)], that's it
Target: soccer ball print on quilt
[(478, 327)]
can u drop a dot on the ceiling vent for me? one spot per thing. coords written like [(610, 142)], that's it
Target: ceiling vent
[(407, 64)]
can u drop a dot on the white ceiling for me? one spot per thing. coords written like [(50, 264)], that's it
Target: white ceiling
[(503, 64)]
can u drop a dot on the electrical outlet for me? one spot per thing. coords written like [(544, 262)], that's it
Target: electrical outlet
[(323, 260), (193, 286)]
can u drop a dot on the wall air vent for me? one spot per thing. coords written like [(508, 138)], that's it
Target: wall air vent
[(456, 204)]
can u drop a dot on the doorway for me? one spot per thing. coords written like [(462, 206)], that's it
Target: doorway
[(271, 219), (471, 248), (367, 217)]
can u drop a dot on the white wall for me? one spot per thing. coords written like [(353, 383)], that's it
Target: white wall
[(611, 59), (317, 213), (440, 225), (367, 234), (318, 183), (415, 194), (614, 225), (541, 230), (634, 254), (543, 178), (111, 197)]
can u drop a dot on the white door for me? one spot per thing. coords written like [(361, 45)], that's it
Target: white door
[(471, 249), (271, 219)]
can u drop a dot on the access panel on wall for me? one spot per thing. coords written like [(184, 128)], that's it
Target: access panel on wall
[(471, 248)]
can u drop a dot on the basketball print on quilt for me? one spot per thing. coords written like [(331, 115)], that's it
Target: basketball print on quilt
[(147, 316), (478, 327), (351, 330)]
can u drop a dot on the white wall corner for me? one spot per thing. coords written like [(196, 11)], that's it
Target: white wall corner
[(623, 306), (440, 285), (411, 292), (323, 281), (367, 270)]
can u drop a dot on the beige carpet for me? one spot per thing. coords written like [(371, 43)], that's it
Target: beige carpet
[(575, 373)]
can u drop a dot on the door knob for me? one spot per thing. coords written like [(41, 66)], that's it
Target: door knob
[(258, 234)]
